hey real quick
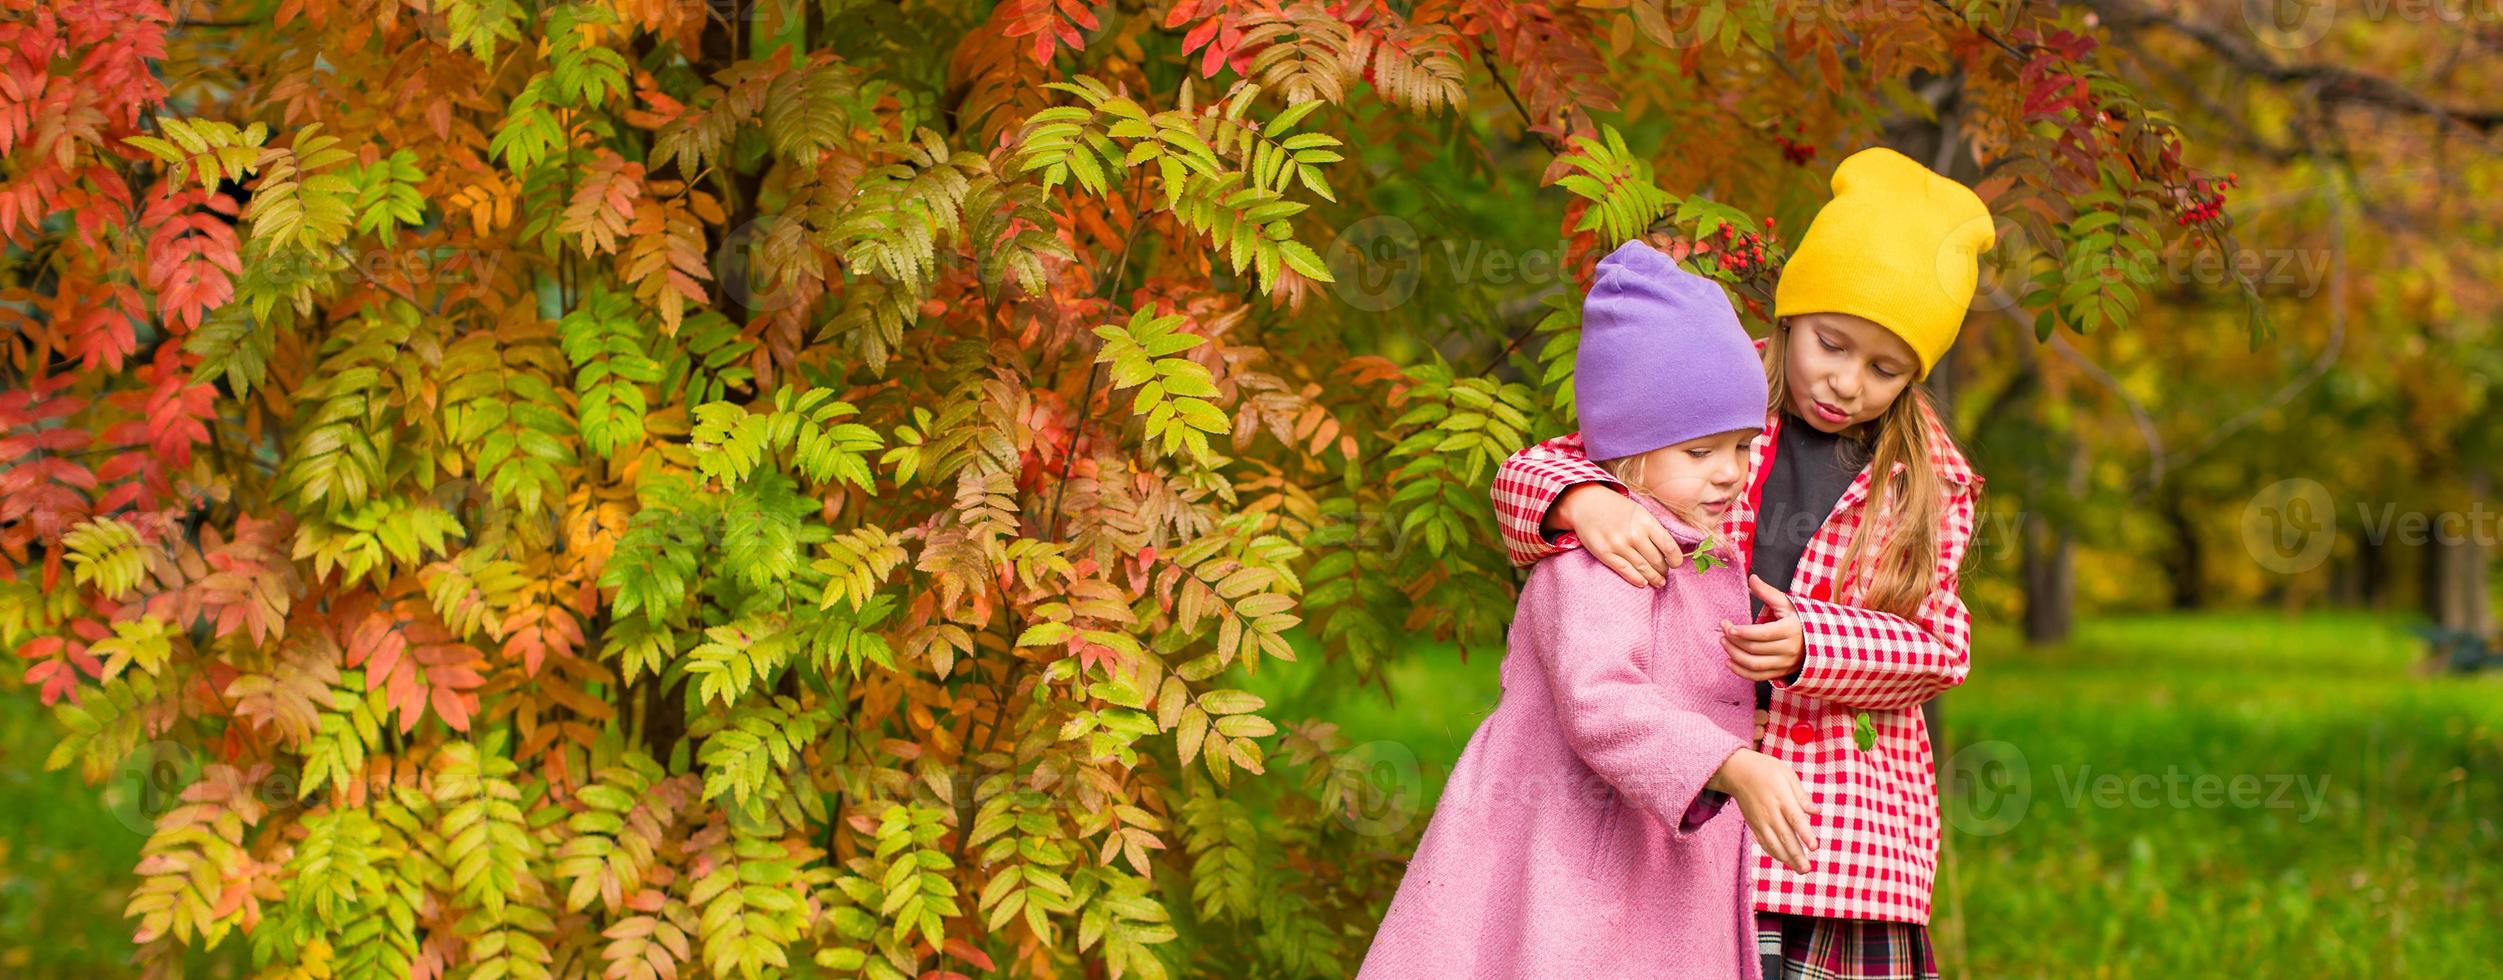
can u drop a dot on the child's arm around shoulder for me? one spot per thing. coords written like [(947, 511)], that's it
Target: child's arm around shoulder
[(1528, 483), (1592, 634)]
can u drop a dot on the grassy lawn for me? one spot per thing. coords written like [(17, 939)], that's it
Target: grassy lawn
[(2369, 841), (66, 854), (2235, 794), (64, 860), (2240, 794)]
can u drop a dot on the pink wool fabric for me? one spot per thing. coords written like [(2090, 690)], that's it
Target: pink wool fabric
[(1574, 838)]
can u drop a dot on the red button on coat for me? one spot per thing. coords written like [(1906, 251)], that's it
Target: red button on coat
[(1803, 733)]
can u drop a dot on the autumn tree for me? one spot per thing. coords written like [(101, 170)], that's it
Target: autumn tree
[(649, 488), (2353, 141)]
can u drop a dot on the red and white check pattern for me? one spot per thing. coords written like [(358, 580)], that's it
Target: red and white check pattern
[(1878, 830)]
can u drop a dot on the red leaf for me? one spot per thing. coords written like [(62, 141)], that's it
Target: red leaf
[(417, 663), (56, 677), (452, 706), (965, 951), (1052, 23), (192, 258)]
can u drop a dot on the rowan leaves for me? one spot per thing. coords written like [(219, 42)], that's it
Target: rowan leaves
[(107, 554), (480, 25), (612, 369), (197, 879), (1624, 200), (1223, 174), (301, 203), (377, 535), (493, 860), (618, 490), (750, 899), (586, 72), (1173, 392), (205, 150), (804, 431)]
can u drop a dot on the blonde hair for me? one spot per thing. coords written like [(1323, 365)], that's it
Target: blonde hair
[(1629, 471), (1902, 511)]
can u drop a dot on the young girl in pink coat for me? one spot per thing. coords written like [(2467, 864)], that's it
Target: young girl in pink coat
[(1585, 829)]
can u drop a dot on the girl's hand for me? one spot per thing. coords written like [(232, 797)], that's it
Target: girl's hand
[(1768, 650), (1775, 807), (1619, 532), (1763, 719)]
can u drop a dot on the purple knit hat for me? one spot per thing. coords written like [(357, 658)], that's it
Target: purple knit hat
[(1663, 359)]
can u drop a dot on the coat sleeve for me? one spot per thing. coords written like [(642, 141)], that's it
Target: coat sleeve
[(1593, 634), (1878, 661), (1528, 484)]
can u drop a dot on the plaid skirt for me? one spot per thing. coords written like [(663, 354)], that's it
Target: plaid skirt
[(1803, 947)]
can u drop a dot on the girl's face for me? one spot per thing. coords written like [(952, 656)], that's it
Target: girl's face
[(1705, 475), (1844, 370)]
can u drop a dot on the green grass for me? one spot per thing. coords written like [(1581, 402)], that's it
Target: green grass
[(2399, 870), (66, 854), (2393, 864), (64, 860)]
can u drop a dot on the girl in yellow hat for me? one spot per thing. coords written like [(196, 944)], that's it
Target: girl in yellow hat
[(1855, 524)]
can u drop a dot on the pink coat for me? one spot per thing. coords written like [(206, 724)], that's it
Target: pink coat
[(1575, 837)]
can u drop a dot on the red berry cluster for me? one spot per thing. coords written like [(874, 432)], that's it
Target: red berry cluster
[(2209, 193), (1796, 152), (1734, 251)]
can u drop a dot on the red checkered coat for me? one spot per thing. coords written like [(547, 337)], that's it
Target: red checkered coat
[(1878, 829)]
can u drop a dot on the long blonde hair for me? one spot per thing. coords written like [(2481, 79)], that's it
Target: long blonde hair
[(1902, 511)]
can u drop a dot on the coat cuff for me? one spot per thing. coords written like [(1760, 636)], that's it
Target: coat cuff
[(1707, 802), (1707, 805), (1862, 659)]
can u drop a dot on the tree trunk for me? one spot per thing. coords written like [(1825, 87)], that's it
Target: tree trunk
[(2186, 562), (2372, 567), (2456, 572), (2360, 581), (2050, 581), (2346, 578)]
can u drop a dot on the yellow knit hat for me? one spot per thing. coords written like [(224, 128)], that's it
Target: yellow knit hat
[(1897, 245)]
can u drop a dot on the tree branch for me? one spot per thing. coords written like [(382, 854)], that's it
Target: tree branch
[(2137, 411), (2336, 85), (1487, 55)]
